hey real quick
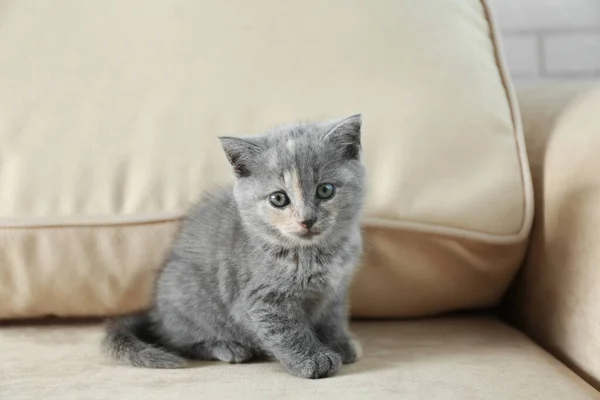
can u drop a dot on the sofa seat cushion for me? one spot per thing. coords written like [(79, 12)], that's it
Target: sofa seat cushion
[(110, 114), (450, 358)]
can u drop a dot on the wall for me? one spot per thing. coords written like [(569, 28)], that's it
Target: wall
[(550, 39)]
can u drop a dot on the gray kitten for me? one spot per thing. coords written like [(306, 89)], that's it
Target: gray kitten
[(262, 269)]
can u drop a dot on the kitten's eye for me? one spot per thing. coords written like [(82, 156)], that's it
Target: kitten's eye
[(325, 191), (279, 199)]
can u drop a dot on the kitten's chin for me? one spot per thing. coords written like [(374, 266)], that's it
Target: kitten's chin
[(305, 238)]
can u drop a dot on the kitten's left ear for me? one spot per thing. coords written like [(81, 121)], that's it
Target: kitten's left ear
[(345, 134), (240, 153)]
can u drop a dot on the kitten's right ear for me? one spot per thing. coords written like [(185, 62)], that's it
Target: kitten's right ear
[(240, 153)]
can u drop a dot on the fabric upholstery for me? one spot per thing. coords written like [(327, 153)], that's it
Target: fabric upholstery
[(557, 295), (412, 274), (51, 272), (469, 358), (110, 114)]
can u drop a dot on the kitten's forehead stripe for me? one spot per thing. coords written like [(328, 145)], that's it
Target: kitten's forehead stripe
[(291, 179), (272, 159), (287, 180), (296, 187), (290, 144)]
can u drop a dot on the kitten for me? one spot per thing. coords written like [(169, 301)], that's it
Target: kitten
[(262, 269)]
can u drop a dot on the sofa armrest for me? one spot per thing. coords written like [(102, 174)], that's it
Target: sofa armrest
[(556, 296)]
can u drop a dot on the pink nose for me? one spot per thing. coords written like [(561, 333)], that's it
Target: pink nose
[(308, 223)]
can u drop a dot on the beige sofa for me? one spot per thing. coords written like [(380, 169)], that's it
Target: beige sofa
[(108, 117), (542, 343)]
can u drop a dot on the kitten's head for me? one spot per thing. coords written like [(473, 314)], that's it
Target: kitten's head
[(299, 184)]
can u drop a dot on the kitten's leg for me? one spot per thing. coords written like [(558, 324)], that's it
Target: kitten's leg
[(332, 329), (284, 331)]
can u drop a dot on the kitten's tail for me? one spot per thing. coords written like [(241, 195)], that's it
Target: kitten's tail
[(123, 342)]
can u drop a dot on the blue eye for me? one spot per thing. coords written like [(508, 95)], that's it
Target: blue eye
[(325, 191), (279, 199)]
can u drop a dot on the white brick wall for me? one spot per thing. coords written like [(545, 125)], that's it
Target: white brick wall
[(550, 39), (572, 53)]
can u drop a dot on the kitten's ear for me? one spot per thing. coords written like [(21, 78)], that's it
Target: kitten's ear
[(240, 153), (345, 134)]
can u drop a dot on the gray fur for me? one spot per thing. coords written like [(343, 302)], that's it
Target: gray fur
[(241, 281)]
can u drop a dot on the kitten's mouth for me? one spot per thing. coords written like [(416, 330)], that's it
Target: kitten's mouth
[(307, 234)]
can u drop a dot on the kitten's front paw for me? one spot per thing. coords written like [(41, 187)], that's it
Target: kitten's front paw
[(351, 350), (319, 365), (231, 352)]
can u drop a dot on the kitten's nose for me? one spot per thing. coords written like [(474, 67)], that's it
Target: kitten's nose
[(308, 223)]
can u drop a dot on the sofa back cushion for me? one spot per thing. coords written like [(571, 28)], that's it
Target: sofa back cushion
[(111, 112)]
